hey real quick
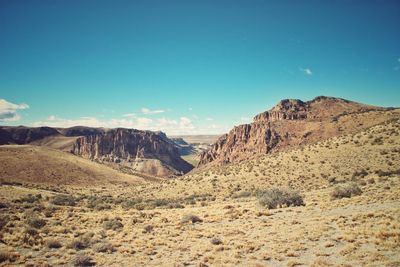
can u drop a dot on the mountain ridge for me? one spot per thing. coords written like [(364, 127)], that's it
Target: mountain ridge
[(290, 123)]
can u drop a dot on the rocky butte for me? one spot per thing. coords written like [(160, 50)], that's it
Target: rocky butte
[(293, 122)]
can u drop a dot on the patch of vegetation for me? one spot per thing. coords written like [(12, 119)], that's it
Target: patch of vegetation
[(4, 219), (104, 247), (83, 260), (346, 191), (35, 222), (381, 173), (29, 198), (98, 204), (53, 243), (78, 244), (31, 237), (361, 173), (63, 200), (112, 224), (7, 256), (216, 241), (277, 197), (191, 218), (148, 228)]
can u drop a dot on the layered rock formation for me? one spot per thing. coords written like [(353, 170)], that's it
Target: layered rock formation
[(140, 151), (292, 122)]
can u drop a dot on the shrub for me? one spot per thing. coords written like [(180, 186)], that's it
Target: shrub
[(104, 247), (83, 260), (4, 219), (30, 198), (131, 203), (52, 243), (113, 224), (362, 173), (7, 256), (36, 222), (49, 211), (81, 243), (347, 191), (191, 218), (276, 197), (63, 200), (31, 237), (148, 228), (381, 173), (216, 241), (98, 204)]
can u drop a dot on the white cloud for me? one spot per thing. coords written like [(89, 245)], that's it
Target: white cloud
[(184, 121), (398, 59), (54, 121), (129, 115), (190, 109), (209, 119), (8, 110), (163, 122), (147, 111), (182, 125), (306, 71)]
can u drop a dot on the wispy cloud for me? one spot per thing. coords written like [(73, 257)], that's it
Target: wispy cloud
[(129, 115), (147, 111), (397, 68), (182, 125), (306, 71), (8, 110), (209, 119)]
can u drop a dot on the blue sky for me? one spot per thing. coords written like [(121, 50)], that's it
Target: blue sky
[(190, 67)]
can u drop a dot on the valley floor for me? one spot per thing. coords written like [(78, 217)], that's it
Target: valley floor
[(361, 231)]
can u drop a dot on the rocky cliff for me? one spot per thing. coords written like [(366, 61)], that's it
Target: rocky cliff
[(138, 151), (292, 122)]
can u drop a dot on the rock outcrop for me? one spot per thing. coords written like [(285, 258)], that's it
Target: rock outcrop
[(291, 122), (139, 151)]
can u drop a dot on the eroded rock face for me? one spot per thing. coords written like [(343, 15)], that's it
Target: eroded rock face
[(288, 109), (291, 122), (141, 151)]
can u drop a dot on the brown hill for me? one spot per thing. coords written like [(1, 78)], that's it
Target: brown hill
[(129, 150), (293, 122), (34, 164), (23, 135)]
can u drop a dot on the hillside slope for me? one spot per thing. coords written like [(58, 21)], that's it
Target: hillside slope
[(129, 150), (294, 122), (212, 217), (34, 164)]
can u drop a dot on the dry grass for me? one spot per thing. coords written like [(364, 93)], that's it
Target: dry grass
[(219, 221)]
